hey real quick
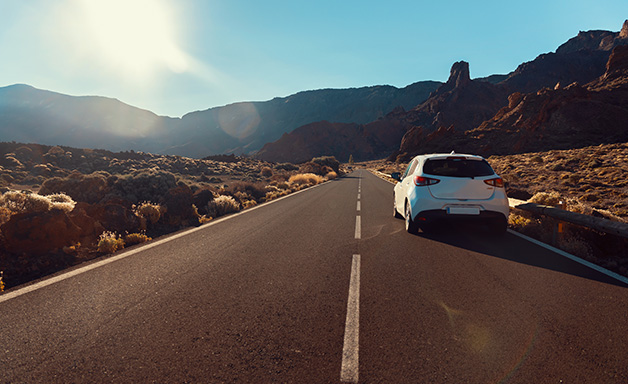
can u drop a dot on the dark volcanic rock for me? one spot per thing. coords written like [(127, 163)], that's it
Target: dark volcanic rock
[(562, 118)]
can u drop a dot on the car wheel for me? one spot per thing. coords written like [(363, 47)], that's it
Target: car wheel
[(396, 214), (411, 226)]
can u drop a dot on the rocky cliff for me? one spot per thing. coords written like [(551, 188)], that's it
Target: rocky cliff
[(574, 116)]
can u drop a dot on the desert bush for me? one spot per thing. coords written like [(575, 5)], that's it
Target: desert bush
[(149, 211), (62, 202), (109, 242), (136, 238), (222, 205), (5, 215), (306, 179), (327, 161), (87, 188), (286, 167), (151, 185), (546, 198), (246, 189), (266, 172), (331, 175), (23, 202)]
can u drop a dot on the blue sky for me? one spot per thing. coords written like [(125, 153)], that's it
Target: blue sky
[(178, 56)]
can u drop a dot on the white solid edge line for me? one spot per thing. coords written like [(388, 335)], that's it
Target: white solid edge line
[(64, 276), (572, 257), (349, 370), (358, 227)]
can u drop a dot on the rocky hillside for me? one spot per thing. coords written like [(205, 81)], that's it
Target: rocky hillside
[(28, 114), (341, 140), (561, 118)]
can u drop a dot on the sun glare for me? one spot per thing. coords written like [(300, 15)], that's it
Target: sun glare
[(137, 37)]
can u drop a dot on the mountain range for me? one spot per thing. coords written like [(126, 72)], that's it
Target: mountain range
[(30, 115), (368, 122), (469, 115)]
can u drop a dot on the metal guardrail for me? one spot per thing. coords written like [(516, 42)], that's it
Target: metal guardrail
[(596, 223)]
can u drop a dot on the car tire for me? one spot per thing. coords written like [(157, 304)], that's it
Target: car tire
[(396, 214), (411, 226)]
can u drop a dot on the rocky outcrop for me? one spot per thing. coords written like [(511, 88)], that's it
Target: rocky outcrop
[(561, 118)]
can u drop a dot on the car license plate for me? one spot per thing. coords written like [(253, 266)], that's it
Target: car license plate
[(463, 210)]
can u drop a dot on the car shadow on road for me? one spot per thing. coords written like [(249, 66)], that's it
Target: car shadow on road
[(513, 248)]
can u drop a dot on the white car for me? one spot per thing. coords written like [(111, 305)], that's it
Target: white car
[(441, 187)]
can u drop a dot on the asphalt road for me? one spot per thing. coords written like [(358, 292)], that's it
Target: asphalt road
[(264, 296)]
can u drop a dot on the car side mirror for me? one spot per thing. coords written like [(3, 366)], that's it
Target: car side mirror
[(396, 176)]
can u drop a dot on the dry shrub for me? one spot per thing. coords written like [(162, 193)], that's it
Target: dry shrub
[(149, 211), (222, 205), (247, 190), (22, 202), (5, 215), (331, 175), (544, 198), (329, 162), (306, 179), (62, 202), (266, 172), (109, 242), (88, 188), (25, 202), (136, 238)]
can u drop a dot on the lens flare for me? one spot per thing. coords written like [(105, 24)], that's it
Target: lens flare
[(239, 120)]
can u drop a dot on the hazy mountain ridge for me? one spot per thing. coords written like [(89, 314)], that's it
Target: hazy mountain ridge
[(28, 114)]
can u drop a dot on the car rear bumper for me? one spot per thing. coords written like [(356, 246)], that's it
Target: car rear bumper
[(435, 215)]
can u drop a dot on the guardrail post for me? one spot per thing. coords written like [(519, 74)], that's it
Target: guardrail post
[(558, 227)]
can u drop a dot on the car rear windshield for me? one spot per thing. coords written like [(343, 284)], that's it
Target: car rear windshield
[(458, 167)]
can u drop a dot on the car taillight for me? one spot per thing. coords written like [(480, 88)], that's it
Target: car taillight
[(421, 181), (496, 182)]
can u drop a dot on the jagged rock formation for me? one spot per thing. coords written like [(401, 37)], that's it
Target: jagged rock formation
[(580, 60), (458, 105), (561, 118)]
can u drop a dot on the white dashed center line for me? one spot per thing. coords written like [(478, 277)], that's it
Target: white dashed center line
[(350, 361), (358, 228), (358, 207)]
